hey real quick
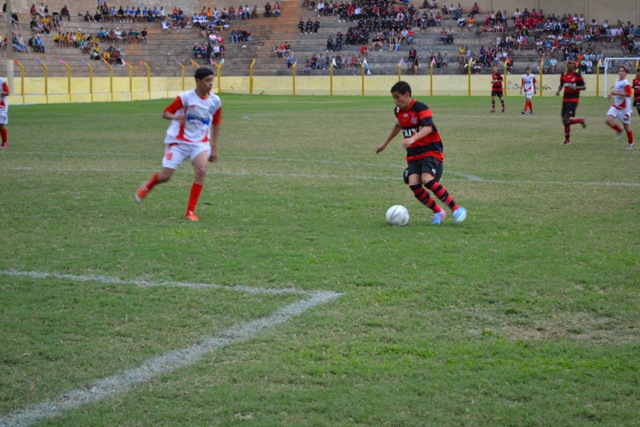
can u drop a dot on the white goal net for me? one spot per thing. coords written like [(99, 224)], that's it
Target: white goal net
[(610, 71)]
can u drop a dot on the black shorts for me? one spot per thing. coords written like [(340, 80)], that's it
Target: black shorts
[(496, 93), (426, 165), (569, 108), (636, 102)]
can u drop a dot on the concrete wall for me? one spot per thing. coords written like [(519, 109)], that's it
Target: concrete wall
[(625, 10), (169, 87)]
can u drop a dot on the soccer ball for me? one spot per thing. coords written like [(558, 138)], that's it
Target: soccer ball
[(397, 215)]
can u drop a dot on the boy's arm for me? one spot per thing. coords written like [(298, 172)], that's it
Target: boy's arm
[(215, 136), (395, 131), (426, 130)]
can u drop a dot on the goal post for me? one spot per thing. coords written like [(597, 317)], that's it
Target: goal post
[(611, 65)]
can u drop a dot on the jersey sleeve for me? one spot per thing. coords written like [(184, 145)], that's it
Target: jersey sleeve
[(217, 117), (424, 115), (174, 106), (627, 90)]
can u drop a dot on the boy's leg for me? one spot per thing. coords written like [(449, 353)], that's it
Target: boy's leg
[(200, 169), (432, 183), (3, 133)]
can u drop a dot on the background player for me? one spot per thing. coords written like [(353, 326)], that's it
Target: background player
[(636, 91), (621, 107), (425, 152), (529, 85), (572, 83), (4, 111), (192, 113), (496, 89)]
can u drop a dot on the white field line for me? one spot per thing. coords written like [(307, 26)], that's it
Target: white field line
[(149, 283), (165, 363), (460, 177)]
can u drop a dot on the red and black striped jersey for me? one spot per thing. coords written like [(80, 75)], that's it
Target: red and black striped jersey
[(412, 120), (571, 82), (496, 82), (636, 89)]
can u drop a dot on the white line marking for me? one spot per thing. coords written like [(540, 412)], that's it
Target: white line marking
[(165, 363), (149, 283), (398, 177)]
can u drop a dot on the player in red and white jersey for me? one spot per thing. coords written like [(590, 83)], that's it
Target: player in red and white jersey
[(529, 86), (572, 83), (425, 153), (636, 91), (192, 114), (496, 89), (621, 107), (4, 111)]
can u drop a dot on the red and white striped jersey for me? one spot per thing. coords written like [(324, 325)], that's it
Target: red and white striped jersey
[(199, 112), (622, 103)]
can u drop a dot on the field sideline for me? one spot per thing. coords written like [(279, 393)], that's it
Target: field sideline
[(292, 302)]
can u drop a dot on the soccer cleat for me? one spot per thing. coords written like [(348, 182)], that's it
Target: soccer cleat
[(459, 215), (566, 142), (503, 109), (438, 217), (584, 123), (4, 145), (141, 193), (531, 112), (493, 110), (190, 215), (618, 135), (629, 146), (523, 112)]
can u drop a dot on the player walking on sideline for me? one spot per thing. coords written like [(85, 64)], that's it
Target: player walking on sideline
[(621, 107), (496, 89), (4, 111), (572, 83), (529, 85), (425, 152), (189, 136)]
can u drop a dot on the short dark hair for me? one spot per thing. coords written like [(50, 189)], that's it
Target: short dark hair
[(203, 72), (401, 87), (626, 70)]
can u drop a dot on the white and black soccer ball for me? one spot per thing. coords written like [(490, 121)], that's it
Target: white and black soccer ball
[(397, 215)]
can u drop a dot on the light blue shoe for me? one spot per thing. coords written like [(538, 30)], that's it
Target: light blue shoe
[(438, 217), (459, 215)]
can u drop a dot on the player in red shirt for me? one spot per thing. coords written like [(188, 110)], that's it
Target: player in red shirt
[(496, 89), (573, 83), (636, 91), (193, 114), (4, 111), (425, 152)]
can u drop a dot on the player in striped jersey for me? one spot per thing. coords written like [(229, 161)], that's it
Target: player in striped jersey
[(496, 89), (192, 115), (636, 91), (621, 107), (572, 83), (425, 152)]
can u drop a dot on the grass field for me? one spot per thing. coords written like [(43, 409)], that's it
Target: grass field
[(526, 314)]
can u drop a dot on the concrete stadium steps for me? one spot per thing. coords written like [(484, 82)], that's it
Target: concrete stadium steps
[(164, 48)]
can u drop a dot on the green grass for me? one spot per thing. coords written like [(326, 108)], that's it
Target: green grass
[(526, 314)]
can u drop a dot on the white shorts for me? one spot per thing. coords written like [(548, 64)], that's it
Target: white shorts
[(528, 94), (4, 116), (175, 154), (621, 115)]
